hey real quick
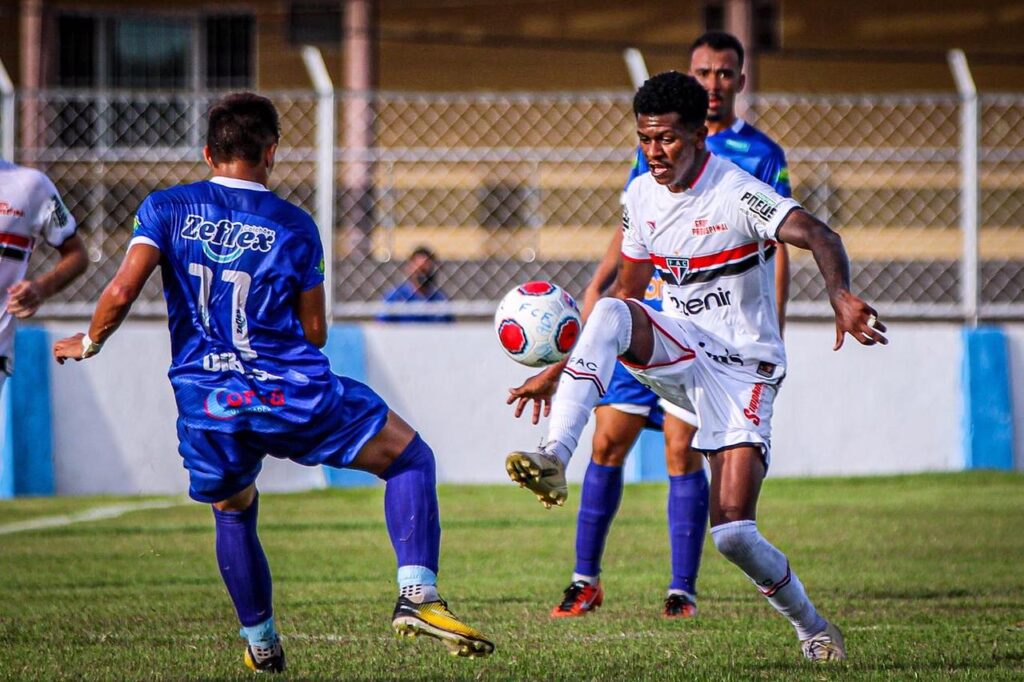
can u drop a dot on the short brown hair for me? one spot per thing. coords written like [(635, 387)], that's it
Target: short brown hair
[(242, 126)]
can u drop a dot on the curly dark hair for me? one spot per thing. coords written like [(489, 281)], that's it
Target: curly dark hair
[(241, 126), (673, 92)]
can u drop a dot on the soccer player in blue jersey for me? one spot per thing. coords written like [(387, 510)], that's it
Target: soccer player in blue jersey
[(627, 407), (243, 278)]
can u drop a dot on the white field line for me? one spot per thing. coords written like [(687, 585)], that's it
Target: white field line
[(95, 514)]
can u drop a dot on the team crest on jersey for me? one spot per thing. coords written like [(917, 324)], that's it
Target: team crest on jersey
[(225, 241), (677, 266)]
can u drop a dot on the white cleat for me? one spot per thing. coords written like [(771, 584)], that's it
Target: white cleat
[(542, 473), (827, 645)]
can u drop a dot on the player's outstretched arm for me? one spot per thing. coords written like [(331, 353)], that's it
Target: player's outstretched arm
[(113, 306), (25, 297), (853, 315)]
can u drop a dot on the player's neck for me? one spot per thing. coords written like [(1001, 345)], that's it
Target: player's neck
[(241, 170), (715, 127)]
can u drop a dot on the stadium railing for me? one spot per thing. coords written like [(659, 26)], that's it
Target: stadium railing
[(507, 187)]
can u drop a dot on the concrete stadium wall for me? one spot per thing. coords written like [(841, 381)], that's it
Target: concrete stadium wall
[(858, 411), (1015, 343)]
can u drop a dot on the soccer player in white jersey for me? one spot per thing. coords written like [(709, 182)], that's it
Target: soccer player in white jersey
[(706, 226), (31, 211), (628, 407)]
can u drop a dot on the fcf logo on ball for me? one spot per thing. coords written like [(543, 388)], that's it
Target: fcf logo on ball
[(537, 323)]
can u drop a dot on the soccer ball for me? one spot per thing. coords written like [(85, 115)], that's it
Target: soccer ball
[(537, 324)]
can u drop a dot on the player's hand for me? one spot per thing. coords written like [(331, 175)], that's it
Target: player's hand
[(24, 298), (539, 388), (858, 319), (68, 349)]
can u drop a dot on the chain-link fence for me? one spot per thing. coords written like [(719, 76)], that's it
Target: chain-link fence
[(511, 187)]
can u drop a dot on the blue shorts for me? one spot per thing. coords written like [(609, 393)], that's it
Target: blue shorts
[(221, 463), (624, 389)]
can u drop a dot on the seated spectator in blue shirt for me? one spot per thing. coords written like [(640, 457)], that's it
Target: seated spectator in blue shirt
[(420, 287)]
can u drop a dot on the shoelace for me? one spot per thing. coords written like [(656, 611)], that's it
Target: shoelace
[(571, 594), (261, 653), (676, 602), (815, 645)]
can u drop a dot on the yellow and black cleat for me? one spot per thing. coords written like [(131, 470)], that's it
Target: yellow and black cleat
[(265, 659), (433, 619)]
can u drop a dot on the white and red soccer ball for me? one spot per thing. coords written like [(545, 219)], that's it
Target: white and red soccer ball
[(537, 323)]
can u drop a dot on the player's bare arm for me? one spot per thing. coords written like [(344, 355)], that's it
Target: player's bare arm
[(25, 297), (781, 285), (633, 279), (312, 311), (853, 315), (114, 304)]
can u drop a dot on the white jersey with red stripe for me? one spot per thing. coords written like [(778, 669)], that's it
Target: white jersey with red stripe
[(712, 244), (30, 209)]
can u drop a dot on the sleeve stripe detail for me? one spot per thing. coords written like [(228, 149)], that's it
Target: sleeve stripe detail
[(143, 240)]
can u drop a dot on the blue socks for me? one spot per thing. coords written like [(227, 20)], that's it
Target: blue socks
[(243, 566), (410, 510), (602, 492), (687, 521)]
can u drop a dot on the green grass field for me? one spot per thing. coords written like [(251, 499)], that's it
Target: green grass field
[(925, 574)]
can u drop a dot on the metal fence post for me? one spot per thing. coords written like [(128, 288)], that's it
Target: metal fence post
[(969, 195), (6, 115), (317, 70)]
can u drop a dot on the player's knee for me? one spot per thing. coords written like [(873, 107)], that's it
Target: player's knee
[(239, 502), (735, 541), (417, 456), (608, 453), (612, 317)]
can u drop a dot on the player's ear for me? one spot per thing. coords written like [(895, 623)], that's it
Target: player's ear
[(208, 157), (701, 136), (741, 83), (268, 158)]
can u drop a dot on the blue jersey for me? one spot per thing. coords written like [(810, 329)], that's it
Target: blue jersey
[(234, 259), (407, 293), (745, 146)]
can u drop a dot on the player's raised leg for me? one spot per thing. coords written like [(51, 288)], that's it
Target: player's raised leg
[(614, 328), (400, 457), (736, 477), (687, 511)]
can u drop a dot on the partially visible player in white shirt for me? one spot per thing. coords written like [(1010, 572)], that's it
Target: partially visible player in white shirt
[(707, 226), (31, 211)]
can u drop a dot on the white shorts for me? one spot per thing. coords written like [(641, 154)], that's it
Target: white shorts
[(684, 414), (732, 407)]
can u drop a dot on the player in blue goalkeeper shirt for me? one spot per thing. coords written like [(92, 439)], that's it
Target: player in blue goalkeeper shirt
[(243, 279), (628, 407)]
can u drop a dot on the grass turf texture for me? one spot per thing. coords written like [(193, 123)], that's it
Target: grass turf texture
[(925, 575)]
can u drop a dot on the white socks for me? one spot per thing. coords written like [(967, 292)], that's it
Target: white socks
[(418, 594), (742, 544), (589, 579), (605, 336)]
